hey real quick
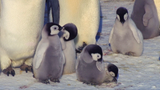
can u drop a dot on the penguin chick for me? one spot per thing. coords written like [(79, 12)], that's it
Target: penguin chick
[(90, 68), (49, 60), (67, 39), (111, 71), (125, 37)]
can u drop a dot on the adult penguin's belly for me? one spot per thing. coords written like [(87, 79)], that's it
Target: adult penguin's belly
[(21, 24)]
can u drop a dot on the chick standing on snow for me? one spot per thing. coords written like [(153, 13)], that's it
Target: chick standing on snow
[(69, 32), (49, 59), (90, 68), (125, 38)]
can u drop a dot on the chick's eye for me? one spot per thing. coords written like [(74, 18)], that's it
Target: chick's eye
[(55, 27), (98, 56)]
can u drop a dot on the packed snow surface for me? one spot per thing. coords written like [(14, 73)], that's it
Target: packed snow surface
[(138, 73)]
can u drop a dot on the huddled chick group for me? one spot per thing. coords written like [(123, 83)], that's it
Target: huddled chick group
[(51, 59), (55, 53)]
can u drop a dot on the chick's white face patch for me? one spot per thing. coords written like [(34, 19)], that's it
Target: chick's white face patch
[(112, 74), (95, 56), (118, 17), (66, 34), (54, 29), (125, 16)]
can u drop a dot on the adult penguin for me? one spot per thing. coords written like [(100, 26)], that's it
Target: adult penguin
[(157, 3), (145, 16), (20, 32), (0, 13), (69, 32), (85, 14)]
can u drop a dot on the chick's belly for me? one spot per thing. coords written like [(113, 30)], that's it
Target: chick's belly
[(122, 45)]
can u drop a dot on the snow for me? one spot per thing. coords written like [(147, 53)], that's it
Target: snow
[(138, 73)]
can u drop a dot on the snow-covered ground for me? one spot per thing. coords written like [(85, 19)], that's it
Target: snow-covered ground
[(138, 73)]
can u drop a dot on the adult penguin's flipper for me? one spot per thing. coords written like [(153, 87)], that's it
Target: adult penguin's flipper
[(47, 9), (54, 6), (55, 10)]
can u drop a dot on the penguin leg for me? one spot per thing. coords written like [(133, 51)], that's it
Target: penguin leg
[(8, 71), (84, 82), (5, 63), (130, 53), (79, 50), (92, 83), (118, 51), (56, 80), (27, 65), (42, 76), (44, 81), (26, 68)]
